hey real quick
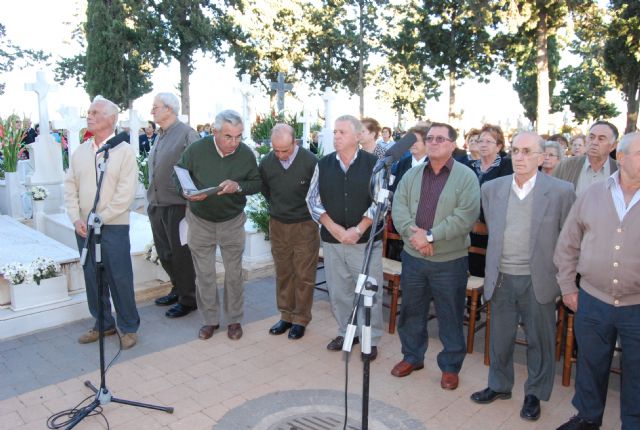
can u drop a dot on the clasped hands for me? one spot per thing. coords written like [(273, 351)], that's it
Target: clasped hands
[(419, 241)]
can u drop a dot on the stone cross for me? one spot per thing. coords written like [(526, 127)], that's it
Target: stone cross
[(134, 130), (73, 123), (281, 88), (306, 120), (327, 131), (47, 153), (247, 91)]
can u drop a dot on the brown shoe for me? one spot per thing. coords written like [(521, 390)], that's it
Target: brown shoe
[(93, 335), (404, 368), (234, 331), (128, 340), (206, 331), (449, 381)]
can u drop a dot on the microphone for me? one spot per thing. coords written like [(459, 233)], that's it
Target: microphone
[(396, 152), (114, 141)]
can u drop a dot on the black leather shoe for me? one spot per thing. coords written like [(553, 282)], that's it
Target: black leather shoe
[(167, 300), (280, 327), (179, 310), (530, 408), (373, 355), (336, 344), (488, 395), (577, 423), (296, 331)]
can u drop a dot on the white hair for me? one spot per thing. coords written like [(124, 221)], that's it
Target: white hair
[(626, 141), (229, 116), (112, 108), (170, 100)]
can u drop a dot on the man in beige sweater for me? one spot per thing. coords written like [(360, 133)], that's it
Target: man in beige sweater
[(116, 195)]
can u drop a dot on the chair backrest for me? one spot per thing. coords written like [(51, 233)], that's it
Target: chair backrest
[(388, 233)]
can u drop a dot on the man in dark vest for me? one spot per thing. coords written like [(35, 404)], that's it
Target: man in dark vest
[(339, 201), (286, 174)]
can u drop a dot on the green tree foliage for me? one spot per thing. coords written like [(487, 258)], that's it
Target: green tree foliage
[(450, 39), (12, 56), (622, 55), (118, 60), (181, 28)]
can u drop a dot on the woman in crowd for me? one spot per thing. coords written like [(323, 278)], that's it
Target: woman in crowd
[(553, 154), (370, 132), (578, 145)]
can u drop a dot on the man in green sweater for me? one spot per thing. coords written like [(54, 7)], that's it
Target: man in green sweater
[(286, 175), (218, 220)]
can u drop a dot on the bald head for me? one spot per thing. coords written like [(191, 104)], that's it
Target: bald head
[(283, 141)]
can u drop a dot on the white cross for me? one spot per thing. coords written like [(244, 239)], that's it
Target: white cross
[(73, 123), (42, 88), (133, 124), (327, 132), (306, 120), (248, 91)]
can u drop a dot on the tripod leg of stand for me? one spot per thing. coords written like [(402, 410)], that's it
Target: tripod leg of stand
[(166, 409)]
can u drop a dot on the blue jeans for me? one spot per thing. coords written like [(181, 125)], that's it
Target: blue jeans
[(117, 279), (597, 326), (446, 284)]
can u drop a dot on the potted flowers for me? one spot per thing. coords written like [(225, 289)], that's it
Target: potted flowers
[(38, 284), (11, 136), (38, 194)]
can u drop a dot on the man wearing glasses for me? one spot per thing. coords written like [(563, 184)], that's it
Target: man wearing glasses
[(434, 209), (595, 165), (167, 206), (524, 213), (220, 160)]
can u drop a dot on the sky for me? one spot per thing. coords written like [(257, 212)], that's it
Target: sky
[(47, 25)]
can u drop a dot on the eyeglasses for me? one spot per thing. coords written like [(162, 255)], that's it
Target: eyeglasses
[(486, 141), (155, 107), (437, 139), (229, 138), (526, 152)]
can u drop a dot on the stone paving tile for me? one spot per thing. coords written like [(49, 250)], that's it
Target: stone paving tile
[(203, 380)]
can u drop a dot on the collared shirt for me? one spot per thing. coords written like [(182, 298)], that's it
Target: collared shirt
[(286, 163), (588, 176), (218, 149), (432, 186), (526, 187), (314, 202), (613, 183), (415, 162), (477, 166)]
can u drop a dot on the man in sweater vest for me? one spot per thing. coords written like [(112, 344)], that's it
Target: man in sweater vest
[(434, 208), (339, 200), (286, 174), (595, 165), (524, 213), (116, 195), (167, 207), (223, 161), (600, 241)]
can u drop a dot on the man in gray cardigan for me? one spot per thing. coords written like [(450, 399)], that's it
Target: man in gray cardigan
[(524, 212), (434, 209), (595, 165), (167, 207)]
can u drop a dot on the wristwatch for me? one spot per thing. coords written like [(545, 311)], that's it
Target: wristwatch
[(239, 190), (358, 230), (429, 236)]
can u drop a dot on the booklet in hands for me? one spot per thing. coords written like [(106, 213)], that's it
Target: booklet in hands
[(188, 187)]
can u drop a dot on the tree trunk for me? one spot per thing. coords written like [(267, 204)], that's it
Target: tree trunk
[(633, 102), (184, 87), (361, 60), (542, 67), (452, 96)]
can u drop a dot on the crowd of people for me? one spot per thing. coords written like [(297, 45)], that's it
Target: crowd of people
[(541, 218)]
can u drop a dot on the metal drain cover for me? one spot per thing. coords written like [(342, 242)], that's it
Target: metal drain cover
[(314, 421)]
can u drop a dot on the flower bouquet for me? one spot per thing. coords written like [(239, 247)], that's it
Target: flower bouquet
[(43, 268), (38, 193), (11, 137), (16, 273)]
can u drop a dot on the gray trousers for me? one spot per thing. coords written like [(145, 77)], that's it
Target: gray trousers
[(343, 264), (203, 239), (514, 300)]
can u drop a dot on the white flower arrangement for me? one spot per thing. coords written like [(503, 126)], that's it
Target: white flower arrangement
[(43, 268), (151, 254), (38, 192), (16, 273)]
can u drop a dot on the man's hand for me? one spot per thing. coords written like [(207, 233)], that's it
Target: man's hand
[(571, 301), (419, 241), (81, 227), (228, 187), (351, 236), (197, 198)]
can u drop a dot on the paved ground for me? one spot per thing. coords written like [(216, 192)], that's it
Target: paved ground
[(209, 382)]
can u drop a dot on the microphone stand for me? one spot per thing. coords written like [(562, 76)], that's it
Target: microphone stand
[(94, 228), (367, 286)]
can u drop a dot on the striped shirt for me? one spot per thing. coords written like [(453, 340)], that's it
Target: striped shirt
[(477, 166), (432, 186)]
